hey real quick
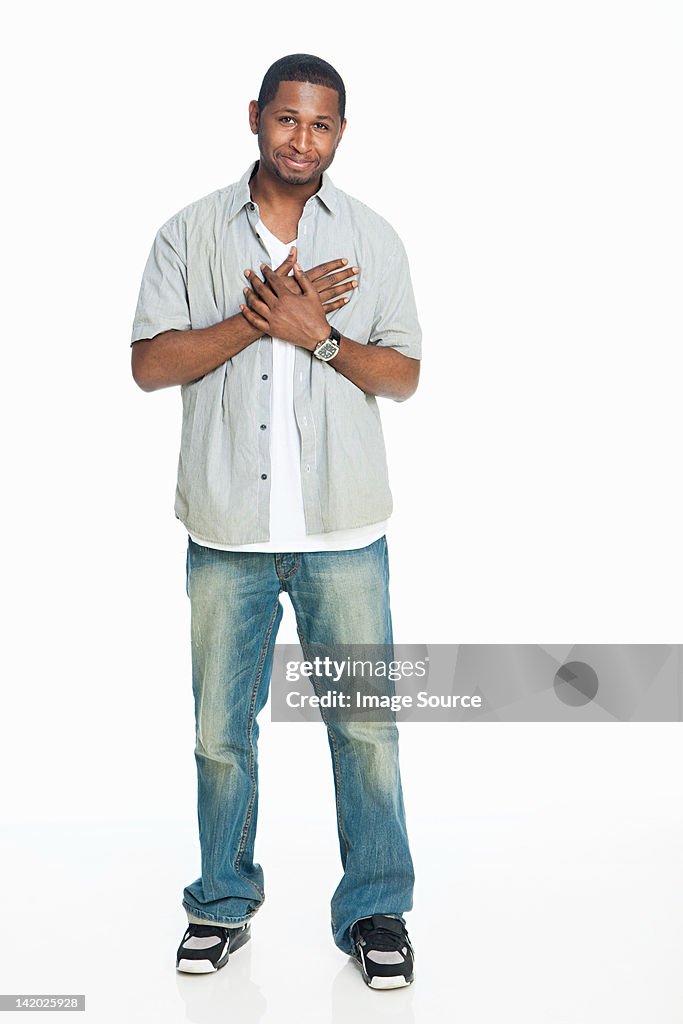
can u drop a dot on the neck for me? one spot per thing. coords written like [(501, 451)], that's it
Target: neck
[(271, 193)]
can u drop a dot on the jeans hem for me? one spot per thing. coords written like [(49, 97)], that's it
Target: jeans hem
[(223, 922)]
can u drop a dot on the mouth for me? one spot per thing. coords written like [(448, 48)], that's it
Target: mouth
[(297, 164)]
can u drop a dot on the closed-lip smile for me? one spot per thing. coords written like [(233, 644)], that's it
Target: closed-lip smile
[(297, 163)]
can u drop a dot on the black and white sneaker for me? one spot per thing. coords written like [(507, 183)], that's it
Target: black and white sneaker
[(206, 947), (383, 951)]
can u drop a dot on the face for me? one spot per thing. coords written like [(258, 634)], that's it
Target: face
[(298, 131)]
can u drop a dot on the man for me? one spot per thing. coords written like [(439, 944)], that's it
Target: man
[(282, 486)]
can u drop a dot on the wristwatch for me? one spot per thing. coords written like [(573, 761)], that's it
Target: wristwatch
[(328, 347)]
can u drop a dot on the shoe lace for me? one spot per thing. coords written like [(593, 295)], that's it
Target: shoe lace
[(383, 938)]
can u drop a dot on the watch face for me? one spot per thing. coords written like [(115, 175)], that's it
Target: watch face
[(327, 349)]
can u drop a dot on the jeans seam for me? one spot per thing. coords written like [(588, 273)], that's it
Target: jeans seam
[(335, 754), (252, 759), (292, 572)]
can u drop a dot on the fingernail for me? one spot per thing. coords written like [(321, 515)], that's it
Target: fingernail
[(355, 269), (245, 291), (346, 299), (345, 262), (247, 273), (354, 284)]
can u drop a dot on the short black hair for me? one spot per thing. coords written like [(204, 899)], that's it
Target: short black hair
[(301, 67)]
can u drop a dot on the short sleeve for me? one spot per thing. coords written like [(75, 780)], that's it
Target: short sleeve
[(396, 324), (163, 301)]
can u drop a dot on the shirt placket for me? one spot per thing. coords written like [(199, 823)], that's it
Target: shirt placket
[(263, 368), (303, 407)]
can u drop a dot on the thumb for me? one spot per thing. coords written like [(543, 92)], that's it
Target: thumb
[(303, 281)]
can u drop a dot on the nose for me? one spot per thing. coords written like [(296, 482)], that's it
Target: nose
[(301, 140)]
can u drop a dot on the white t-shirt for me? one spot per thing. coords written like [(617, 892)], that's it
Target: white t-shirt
[(287, 521)]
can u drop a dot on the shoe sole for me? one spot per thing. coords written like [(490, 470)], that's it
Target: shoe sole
[(383, 984), (205, 966), (387, 983)]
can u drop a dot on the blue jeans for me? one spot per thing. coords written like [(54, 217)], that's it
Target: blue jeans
[(338, 597)]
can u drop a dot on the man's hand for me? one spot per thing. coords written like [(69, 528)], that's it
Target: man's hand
[(304, 322), (328, 285)]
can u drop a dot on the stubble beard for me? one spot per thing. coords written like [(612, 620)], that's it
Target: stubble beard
[(294, 179)]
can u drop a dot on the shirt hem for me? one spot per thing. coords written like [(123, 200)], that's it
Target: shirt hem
[(227, 545)]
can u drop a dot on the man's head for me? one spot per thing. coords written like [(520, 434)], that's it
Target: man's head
[(301, 67), (299, 117)]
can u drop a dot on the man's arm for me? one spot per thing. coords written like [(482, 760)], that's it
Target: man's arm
[(377, 370), (179, 357), (300, 318)]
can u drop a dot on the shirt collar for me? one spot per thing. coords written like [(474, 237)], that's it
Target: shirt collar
[(328, 194)]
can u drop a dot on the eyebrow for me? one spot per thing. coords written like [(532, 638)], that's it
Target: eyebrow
[(290, 110)]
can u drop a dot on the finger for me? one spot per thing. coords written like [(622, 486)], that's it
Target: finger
[(334, 304), (329, 293), (285, 279), (290, 284), (274, 282), (286, 264), (253, 319), (334, 279), (324, 268), (302, 280), (262, 290), (254, 303)]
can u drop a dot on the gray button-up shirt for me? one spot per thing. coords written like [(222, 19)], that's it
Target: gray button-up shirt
[(194, 278)]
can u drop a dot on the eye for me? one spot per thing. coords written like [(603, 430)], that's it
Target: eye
[(286, 117), (323, 126)]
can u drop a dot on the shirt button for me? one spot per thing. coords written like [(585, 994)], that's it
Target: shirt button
[(264, 476), (264, 376), (251, 206), (263, 426)]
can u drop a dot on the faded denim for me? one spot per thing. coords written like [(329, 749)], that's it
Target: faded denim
[(338, 597)]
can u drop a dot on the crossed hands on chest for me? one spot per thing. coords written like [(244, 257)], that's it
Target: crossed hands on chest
[(294, 308)]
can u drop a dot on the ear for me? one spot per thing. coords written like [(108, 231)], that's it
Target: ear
[(253, 116), (341, 131)]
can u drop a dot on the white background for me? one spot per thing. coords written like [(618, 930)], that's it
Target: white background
[(530, 157)]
